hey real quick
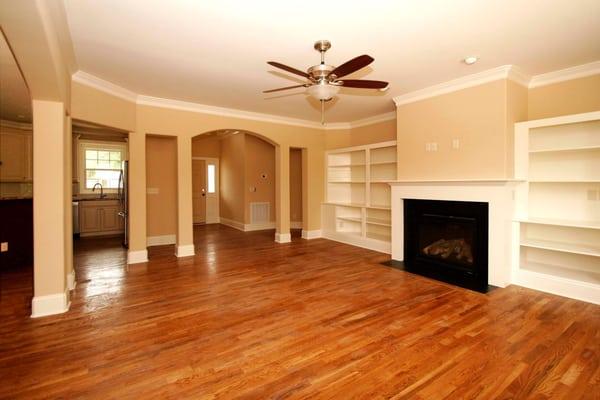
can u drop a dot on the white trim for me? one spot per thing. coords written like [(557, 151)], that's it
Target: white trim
[(185, 250), (296, 225), (490, 75), (311, 234), (283, 237), (232, 224), (361, 122), (50, 304), (223, 111), (71, 282), (24, 126), (561, 120), (161, 240), (105, 86), (567, 74), (259, 226), (136, 257)]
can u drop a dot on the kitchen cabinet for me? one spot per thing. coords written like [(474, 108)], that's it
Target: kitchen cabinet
[(100, 217), (16, 155)]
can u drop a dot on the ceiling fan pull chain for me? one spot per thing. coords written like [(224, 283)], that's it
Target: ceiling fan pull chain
[(322, 112)]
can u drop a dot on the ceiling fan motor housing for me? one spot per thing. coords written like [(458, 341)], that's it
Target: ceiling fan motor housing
[(321, 71)]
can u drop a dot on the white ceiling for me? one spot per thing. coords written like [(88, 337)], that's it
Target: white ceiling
[(15, 102), (215, 52)]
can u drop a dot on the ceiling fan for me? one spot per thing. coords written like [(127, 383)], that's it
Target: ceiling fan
[(323, 80)]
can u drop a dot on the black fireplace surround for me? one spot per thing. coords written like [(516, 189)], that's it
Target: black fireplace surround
[(448, 241)]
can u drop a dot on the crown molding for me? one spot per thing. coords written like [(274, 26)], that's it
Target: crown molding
[(579, 71), (362, 122), (490, 75), (25, 126), (223, 111), (105, 86)]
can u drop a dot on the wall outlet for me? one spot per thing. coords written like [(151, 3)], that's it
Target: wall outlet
[(4, 247), (455, 143)]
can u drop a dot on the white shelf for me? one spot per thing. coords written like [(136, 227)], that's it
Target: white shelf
[(337, 203), (383, 162), (563, 181), (350, 219), (562, 247), (565, 273), (377, 221), (347, 165), (561, 222), (575, 148), (378, 236), (352, 182), (379, 207)]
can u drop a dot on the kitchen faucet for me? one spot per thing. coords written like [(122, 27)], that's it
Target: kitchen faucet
[(101, 190)]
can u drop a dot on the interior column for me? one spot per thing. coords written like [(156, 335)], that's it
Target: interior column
[(138, 252), (312, 188), (282, 193), (185, 217), (51, 294), (68, 204)]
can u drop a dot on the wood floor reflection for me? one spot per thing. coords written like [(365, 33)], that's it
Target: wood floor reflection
[(247, 317)]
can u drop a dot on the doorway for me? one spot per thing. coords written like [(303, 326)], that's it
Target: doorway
[(205, 190)]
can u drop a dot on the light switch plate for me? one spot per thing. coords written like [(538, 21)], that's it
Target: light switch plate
[(4, 247)]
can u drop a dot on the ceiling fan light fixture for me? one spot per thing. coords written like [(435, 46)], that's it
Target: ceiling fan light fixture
[(323, 91)]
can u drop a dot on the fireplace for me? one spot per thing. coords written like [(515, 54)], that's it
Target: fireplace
[(448, 241)]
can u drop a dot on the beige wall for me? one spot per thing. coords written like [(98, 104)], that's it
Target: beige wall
[(476, 116), (161, 176), (259, 159), (296, 185), (206, 146), (232, 178), (569, 97)]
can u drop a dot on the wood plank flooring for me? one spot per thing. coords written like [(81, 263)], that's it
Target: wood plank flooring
[(249, 318)]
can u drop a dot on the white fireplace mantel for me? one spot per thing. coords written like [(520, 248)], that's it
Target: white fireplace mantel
[(498, 193)]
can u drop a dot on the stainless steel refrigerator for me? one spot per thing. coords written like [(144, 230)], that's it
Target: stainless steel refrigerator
[(124, 200)]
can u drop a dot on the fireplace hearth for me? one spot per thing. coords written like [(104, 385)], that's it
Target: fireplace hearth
[(448, 241)]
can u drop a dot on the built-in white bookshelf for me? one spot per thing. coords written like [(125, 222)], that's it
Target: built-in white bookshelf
[(557, 245), (358, 207)]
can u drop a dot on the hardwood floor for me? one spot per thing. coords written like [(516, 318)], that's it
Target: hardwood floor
[(250, 318)]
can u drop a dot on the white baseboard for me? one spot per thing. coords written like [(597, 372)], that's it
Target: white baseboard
[(135, 257), (51, 304), (71, 283), (311, 234), (161, 240), (296, 225), (231, 223), (283, 237), (259, 226), (185, 250)]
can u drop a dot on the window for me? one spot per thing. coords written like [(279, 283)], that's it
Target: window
[(211, 178), (101, 163)]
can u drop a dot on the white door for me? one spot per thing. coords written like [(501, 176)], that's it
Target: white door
[(205, 189), (212, 191)]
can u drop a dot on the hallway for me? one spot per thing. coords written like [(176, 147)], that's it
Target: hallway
[(310, 319)]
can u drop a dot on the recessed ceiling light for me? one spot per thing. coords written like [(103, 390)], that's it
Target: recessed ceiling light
[(470, 60)]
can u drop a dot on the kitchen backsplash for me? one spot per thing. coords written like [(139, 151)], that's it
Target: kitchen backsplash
[(16, 190)]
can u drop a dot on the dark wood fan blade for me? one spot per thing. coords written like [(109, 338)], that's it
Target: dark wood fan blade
[(288, 69), (353, 65), (284, 88), (364, 84)]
